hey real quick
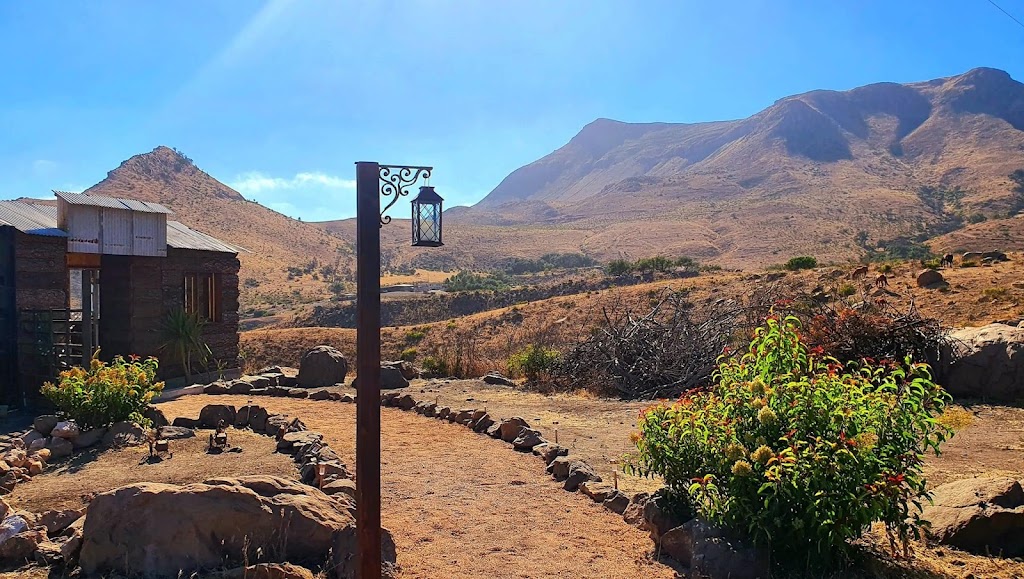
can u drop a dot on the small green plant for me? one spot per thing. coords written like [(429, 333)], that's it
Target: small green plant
[(968, 264), (435, 366), (415, 336), (846, 290), (995, 293), (931, 264), (408, 354), (617, 267), (183, 338), (885, 268), (106, 393), (533, 361), (797, 451), (801, 262)]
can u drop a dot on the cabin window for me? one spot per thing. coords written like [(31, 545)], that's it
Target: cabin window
[(203, 296)]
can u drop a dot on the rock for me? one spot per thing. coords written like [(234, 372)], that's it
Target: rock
[(31, 436), (155, 416), (390, 379), (634, 513), (597, 492), (617, 502), (35, 466), (125, 434), (246, 386), (262, 380), (216, 388), (425, 408), (16, 457), (320, 395), (66, 429), (69, 550), (22, 546), (290, 442), (659, 516), (972, 256), (494, 431), (559, 468), (548, 451), (243, 415), (38, 444), (989, 363), (527, 439), (707, 551), (483, 423), (995, 256), (343, 555), (347, 398), (929, 278), (579, 472), (56, 521), (123, 525), (406, 402), (464, 416), (497, 379), (981, 515), (297, 393), (267, 571), (257, 418), (47, 553), (44, 424), (406, 368), (214, 414), (322, 366), (185, 422), (88, 438), (275, 423), (11, 526), (59, 447), (443, 412), (509, 428), (278, 391), (43, 455), (341, 485), (174, 433)]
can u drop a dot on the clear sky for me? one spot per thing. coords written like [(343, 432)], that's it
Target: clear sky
[(279, 98)]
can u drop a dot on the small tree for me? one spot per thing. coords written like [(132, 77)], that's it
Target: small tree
[(801, 262), (183, 338), (618, 267)]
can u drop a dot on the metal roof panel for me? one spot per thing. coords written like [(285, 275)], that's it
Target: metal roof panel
[(180, 236), (30, 218), (111, 202)]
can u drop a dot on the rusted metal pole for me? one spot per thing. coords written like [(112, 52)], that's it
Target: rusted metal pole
[(368, 224)]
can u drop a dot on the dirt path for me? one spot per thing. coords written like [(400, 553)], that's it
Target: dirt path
[(463, 505)]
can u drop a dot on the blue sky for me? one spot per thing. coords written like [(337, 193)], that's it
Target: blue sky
[(279, 98)]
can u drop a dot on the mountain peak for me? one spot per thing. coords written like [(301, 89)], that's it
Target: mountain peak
[(163, 175)]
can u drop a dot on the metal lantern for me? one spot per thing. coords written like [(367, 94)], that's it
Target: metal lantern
[(426, 218)]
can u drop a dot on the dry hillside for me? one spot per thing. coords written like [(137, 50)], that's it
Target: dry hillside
[(273, 241), (804, 176)]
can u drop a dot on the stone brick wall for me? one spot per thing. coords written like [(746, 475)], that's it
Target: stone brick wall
[(40, 272)]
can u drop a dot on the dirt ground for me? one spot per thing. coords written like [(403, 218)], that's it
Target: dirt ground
[(462, 505), (70, 484)]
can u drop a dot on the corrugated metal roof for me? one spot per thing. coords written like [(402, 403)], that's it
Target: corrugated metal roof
[(182, 237), (111, 202), (42, 220), (30, 218)]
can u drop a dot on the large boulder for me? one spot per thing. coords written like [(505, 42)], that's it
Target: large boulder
[(215, 524), (214, 414), (89, 438), (509, 428), (155, 416), (59, 447), (710, 553), (124, 434), (66, 429), (982, 515), (322, 366), (930, 278), (406, 368), (44, 424), (988, 363), (391, 378)]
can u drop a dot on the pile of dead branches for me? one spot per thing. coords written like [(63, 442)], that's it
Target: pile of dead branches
[(670, 349)]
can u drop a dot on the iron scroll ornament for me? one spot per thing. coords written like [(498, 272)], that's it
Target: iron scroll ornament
[(395, 181)]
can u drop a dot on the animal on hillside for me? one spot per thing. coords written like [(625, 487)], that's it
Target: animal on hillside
[(947, 260), (859, 272), (881, 281)]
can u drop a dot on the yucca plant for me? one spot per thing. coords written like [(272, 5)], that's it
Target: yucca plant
[(183, 339)]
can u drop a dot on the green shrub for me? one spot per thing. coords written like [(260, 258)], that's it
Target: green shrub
[(968, 264), (469, 281), (995, 293), (847, 289), (796, 451), (408, 354), (533, 361), (801, 262), (105, 393), (657, 263), (931, 264), (885, 268), (618, 267), (435, 366), (415, 335)]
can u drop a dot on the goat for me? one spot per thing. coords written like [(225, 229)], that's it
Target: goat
[(881, 281), (947, 260), (859, 272)]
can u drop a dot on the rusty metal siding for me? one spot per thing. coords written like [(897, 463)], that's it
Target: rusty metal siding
[(84, 228), (149, 231)]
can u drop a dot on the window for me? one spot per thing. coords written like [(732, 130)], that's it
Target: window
[(203, 295)]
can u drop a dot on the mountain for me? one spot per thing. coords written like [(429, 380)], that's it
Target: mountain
[(820, 173), (274, 242)]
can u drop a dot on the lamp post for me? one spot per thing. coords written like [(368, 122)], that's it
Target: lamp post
[(372, 181)]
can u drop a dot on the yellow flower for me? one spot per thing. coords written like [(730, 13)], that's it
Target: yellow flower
[(742, 468), (735, 451), (757, 386), (767, 416), (866, 440), (762, 455), (758, 403)]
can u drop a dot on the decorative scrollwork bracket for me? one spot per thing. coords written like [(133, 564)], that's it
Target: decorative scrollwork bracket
[(395, 181)]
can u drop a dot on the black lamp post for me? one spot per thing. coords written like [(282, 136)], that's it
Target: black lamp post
[(372, 181)]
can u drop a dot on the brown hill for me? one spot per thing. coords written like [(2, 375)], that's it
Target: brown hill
[(274, 241), (807, 175)]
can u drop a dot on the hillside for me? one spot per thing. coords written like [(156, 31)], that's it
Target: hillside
[(274, 241), (804, 176)]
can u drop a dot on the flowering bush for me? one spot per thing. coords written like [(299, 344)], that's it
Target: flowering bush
[(797, 451), (106, 393)]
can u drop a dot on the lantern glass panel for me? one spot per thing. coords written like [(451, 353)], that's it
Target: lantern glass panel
[(426, 218)]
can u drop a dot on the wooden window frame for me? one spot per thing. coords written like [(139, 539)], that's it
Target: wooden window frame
[(204, 295)]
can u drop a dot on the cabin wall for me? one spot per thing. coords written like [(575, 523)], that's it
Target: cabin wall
[(8, 317), (40, 282)]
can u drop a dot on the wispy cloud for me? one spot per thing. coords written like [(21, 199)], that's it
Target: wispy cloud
[(257, 182), (43, 167)]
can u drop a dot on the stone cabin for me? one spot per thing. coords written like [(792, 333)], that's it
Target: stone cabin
[(101, 272)]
